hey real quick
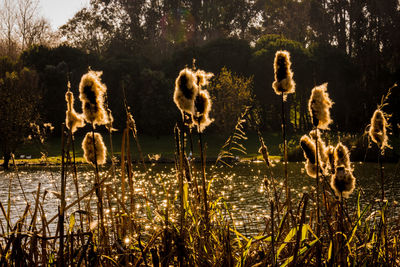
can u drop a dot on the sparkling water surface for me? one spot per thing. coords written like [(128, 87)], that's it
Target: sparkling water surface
[(242, 188)]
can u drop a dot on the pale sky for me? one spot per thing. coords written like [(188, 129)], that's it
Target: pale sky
[(59, 11)]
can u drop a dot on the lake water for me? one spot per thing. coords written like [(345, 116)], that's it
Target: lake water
[(241, 187)]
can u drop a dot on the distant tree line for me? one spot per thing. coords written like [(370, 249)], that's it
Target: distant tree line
[(141, 45)]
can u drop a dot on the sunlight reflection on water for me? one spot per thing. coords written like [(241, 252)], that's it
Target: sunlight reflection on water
[(242, 188)]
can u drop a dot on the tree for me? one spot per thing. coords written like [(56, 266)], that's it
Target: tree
[(21, 26), (8, 25), (262, 67), (19, 116), (230, 94)]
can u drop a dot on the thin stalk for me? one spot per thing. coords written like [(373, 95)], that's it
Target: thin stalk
[(382, 177), (180, 148), (189, 133), (19, 182), (75, 176), (203, 172), (319, 247), (62, 208), (342, 260), (130, 176), (383, 209), (139, 148), (288, 201), (112, 154), (181, 156), (299, 231), (272, 234), (98, 189)]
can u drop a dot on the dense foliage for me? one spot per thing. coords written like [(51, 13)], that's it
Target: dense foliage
[(352, 45)]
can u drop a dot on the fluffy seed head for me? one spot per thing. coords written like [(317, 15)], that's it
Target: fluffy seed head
[(343, 182), (309, 150), (283, 83), (342, 156), (308, 147), (97, 151), (188, 119), (377, 130), (319, 105), (203, 77), (263, 150), (73, 120), (91, 94), (330, 151), (186, 90), (202, 107), (110, 120), (322, 155)]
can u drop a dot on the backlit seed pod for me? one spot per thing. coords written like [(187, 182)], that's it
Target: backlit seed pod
[(342, 156), (202, 109), (319, 107), (322, 155), (283, 83), (330, 151), (186, 90), (343, 182), (203, 77), (110, 120), (91, 94), (188, 119), (94, 153), (308, 146), (73, 120), (264, 152), (377, 130)]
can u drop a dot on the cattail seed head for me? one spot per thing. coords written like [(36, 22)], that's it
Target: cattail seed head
[(186, 90), (330, 151), (343, 182), (377, 130), (188, 119), (322, 155), (202, 107), (264, 152), (92, 152), (110, 120), (283, 83), (203, 77), (308, 147), (319, 105), (73, 120), (91, 94), (342, 156), (309, 150)]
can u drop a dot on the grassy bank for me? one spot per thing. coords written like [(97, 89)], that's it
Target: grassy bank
[(150, 145)]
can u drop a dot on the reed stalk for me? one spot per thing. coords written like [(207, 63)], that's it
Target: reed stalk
[(98, 190), (75, 177), (287, 189), (272, 234), (60, 261), (203, 175), (382, 176), (319, 245)]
